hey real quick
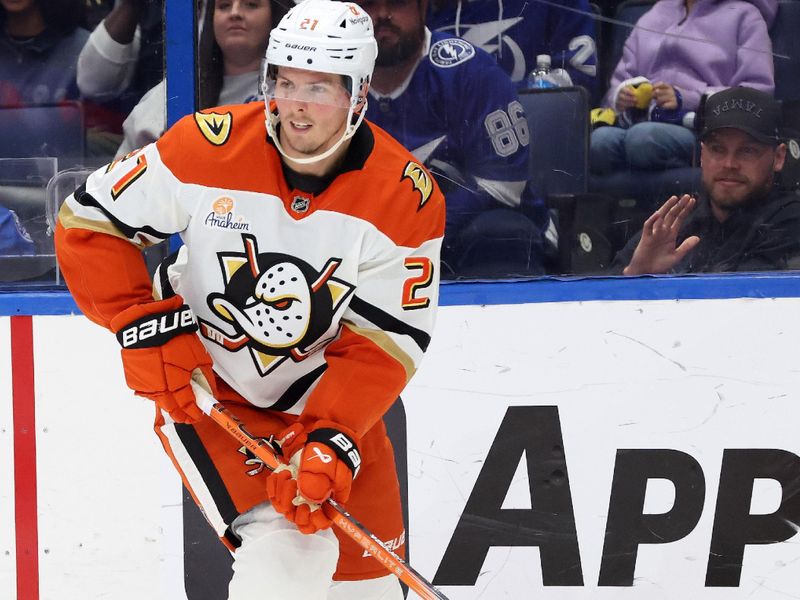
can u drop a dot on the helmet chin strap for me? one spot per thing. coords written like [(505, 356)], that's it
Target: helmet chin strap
[(272, 122)]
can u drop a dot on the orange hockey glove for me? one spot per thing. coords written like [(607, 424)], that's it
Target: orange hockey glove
[(161, 353), (322, 465)]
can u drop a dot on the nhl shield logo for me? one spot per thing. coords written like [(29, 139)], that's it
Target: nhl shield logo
[(300, 204)]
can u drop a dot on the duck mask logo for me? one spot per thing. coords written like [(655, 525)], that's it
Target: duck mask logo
[(276, 305)]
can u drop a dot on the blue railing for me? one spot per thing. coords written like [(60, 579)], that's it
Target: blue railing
[(771, 285)]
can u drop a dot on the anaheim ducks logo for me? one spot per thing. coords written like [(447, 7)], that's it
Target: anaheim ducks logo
[(276, 305), (421, 181), (215, 127)]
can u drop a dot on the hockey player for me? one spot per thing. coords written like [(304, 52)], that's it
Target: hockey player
[(454, 108), (516, 31), (304, 296)]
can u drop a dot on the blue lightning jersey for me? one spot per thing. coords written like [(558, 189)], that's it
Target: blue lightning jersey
[(515, 31), (460, 115)]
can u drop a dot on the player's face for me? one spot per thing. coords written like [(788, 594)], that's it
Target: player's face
[(241, 28), (312, 108), (399, 29), (737, 169)]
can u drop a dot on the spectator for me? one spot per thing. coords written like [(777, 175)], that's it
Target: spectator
[(458, 112), (39, 47), (741, 222), (124, 52), (683, 49), (231, 49), (516, 31)]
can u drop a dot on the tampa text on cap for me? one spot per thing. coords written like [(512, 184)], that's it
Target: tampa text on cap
[(752, 111)]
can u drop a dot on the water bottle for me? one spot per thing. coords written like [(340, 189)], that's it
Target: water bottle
[(540, 76)]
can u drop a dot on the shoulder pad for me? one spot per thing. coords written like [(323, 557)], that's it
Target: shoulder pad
[(451, 52)]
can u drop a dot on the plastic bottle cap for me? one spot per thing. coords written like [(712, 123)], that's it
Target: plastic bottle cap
[(543, 60)]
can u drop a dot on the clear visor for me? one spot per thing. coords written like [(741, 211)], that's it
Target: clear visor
[(307, 86)]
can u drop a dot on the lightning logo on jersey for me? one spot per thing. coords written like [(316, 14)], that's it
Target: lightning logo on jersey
[(276, 305)]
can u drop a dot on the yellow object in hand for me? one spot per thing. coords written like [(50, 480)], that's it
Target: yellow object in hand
[(643, 93)]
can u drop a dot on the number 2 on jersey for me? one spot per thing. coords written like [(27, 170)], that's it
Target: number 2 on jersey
[(418, 282)]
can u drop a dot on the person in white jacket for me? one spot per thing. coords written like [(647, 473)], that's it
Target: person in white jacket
[(124, 54), (232, 45)]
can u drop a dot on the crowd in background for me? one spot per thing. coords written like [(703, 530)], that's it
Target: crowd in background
[(447, 85)]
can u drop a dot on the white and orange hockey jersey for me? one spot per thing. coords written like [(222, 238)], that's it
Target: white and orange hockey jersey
[(294, 293), (312, 305)]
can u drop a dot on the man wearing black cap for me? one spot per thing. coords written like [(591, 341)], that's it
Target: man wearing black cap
[(740, 222)]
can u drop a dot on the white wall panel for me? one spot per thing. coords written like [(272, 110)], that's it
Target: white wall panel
[(109, 502), (695, 378), (8, 552)]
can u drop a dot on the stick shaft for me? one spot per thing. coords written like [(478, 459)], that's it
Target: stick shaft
[(341, 518)]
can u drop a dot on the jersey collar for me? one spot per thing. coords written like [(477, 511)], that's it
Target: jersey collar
[(361, 145)]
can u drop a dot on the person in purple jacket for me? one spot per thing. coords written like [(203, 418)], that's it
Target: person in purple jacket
[(679, 51)]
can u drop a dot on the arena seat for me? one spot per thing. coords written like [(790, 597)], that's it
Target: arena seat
[(499, 243), (558, 121), (789, 178), (786, 50)]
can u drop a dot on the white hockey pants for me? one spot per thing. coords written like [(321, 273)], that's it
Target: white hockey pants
[(277, 562)]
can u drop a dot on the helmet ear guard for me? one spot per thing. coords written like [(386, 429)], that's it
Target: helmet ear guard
[(361, 98), (324, 36)]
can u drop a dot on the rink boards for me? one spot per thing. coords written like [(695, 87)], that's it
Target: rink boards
[(643, 449)]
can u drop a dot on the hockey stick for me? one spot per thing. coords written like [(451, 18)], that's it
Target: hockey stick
[(341, 518)]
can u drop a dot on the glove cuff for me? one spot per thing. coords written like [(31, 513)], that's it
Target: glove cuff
[(342, 444), (153, 324)]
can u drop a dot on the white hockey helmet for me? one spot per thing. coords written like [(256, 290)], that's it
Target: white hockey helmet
[(326, 36)]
